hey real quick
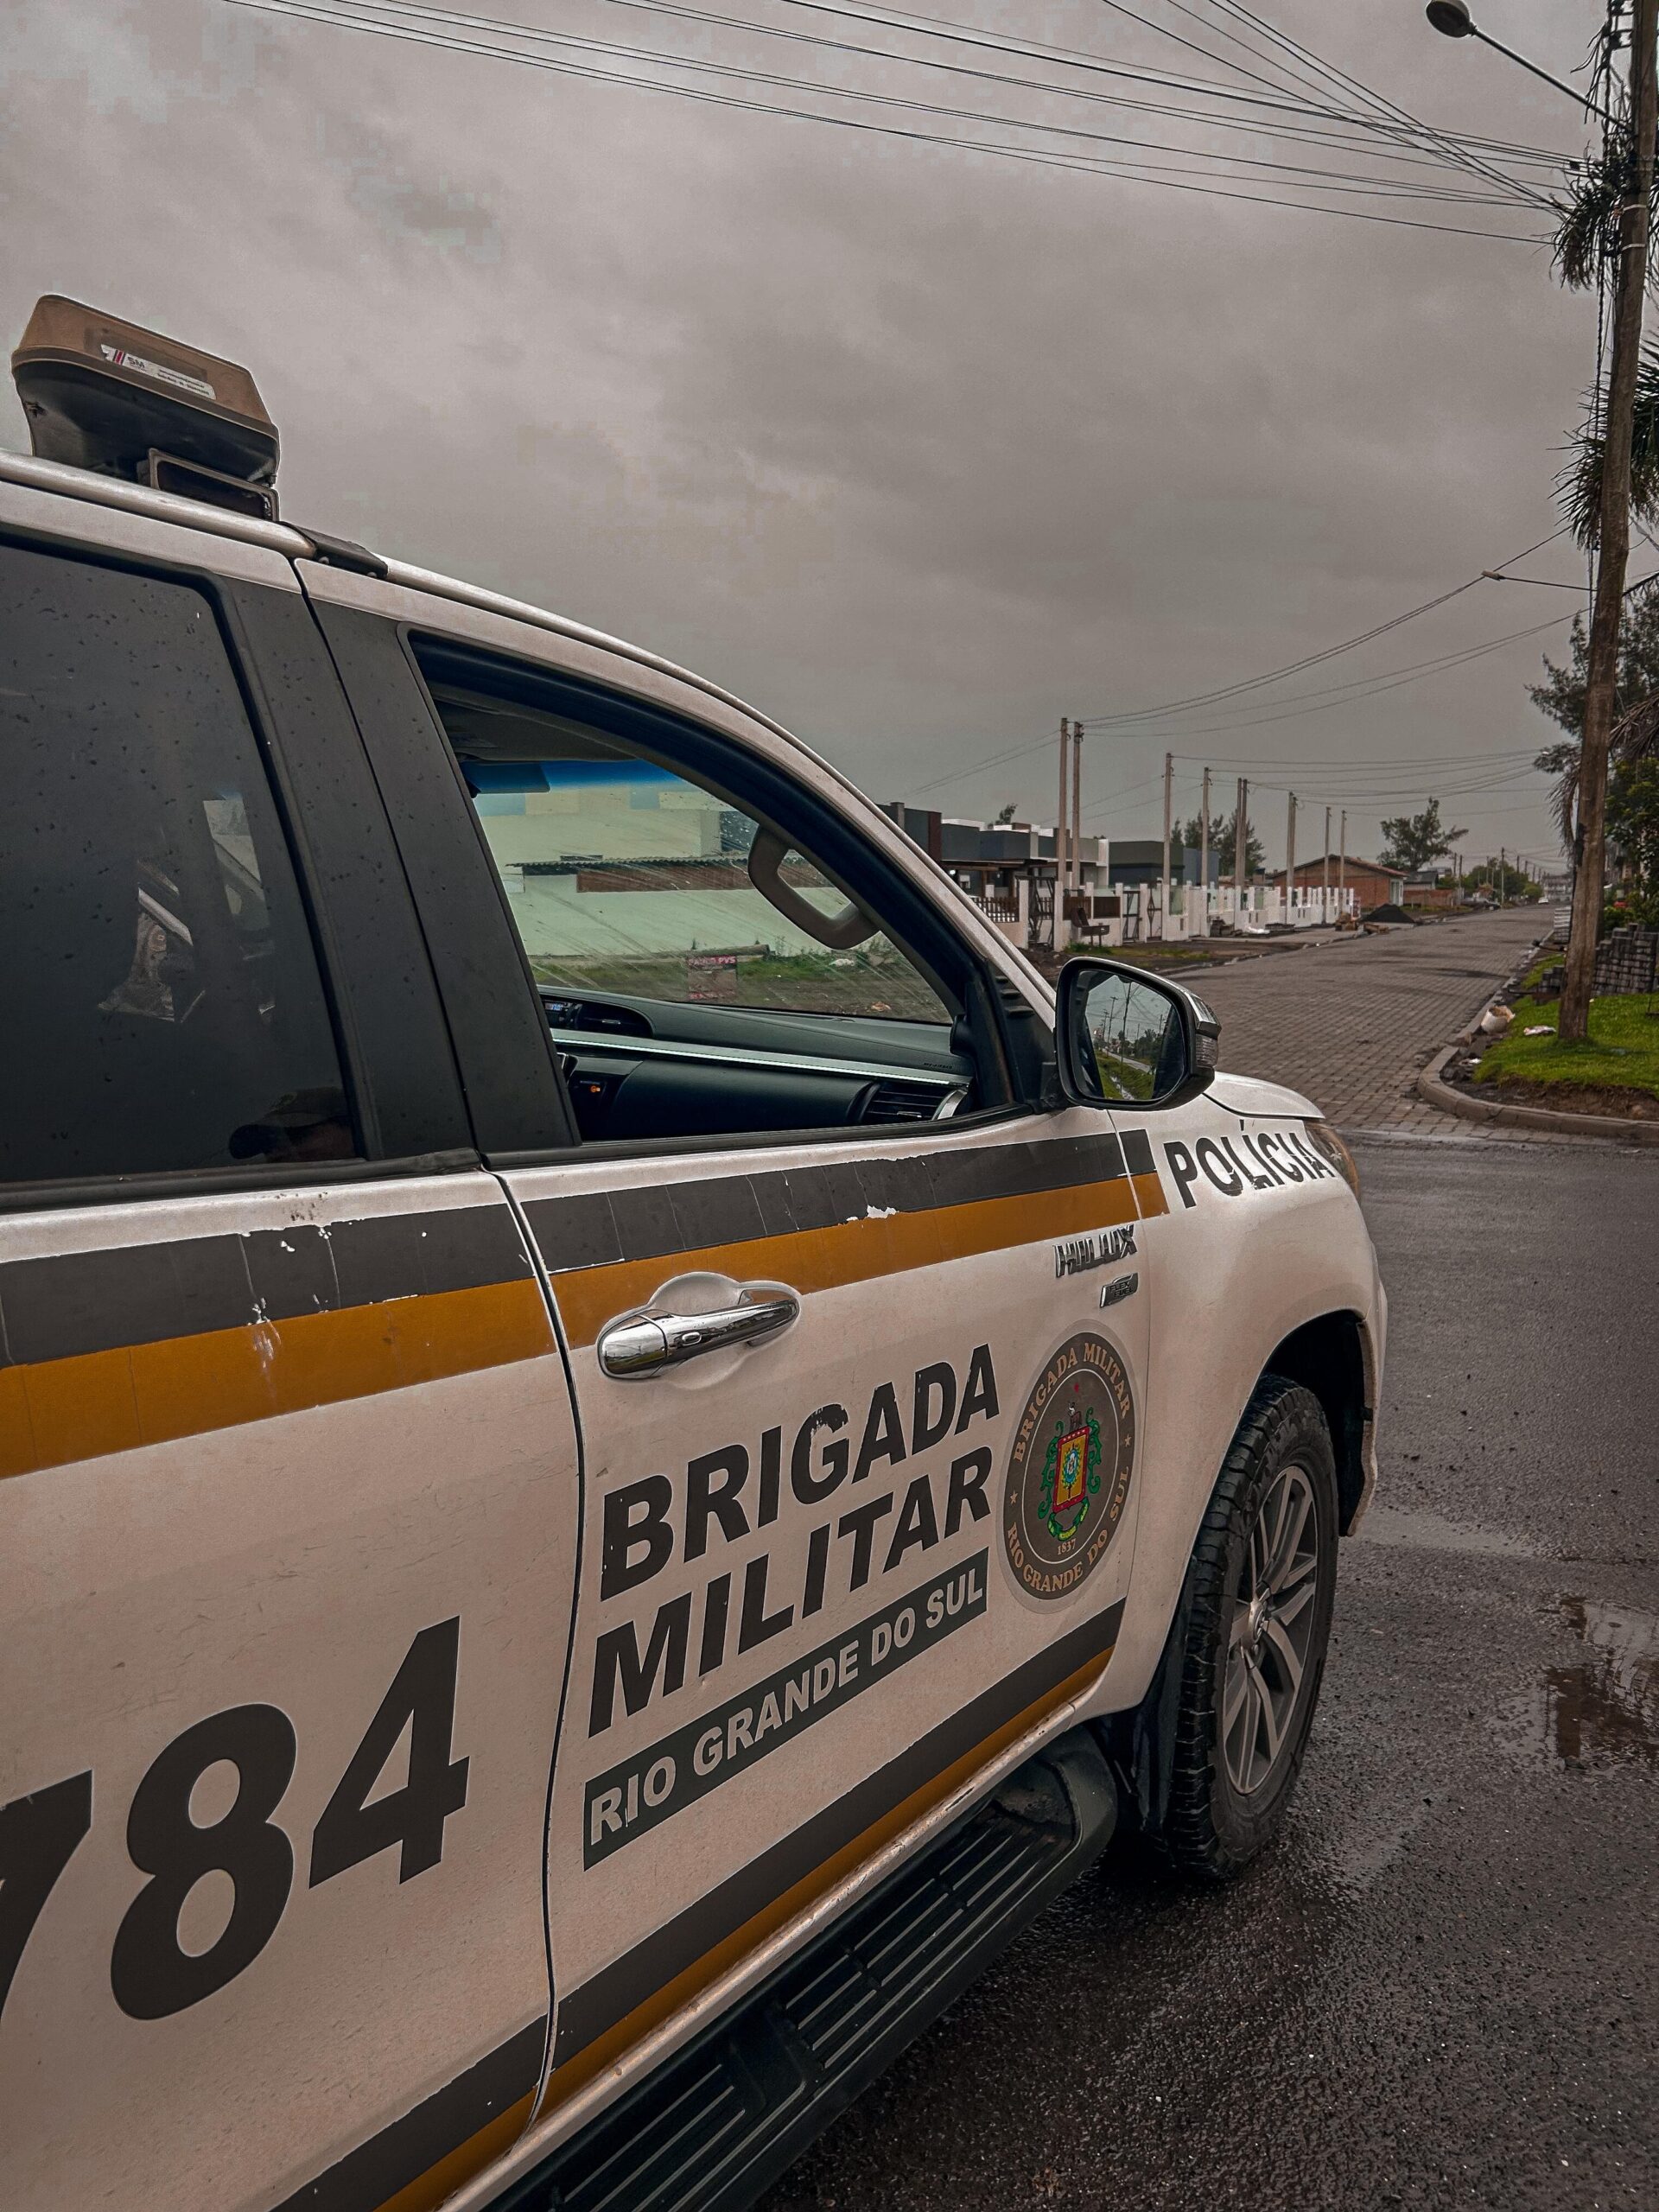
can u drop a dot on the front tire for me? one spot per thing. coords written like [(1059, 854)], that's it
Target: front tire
[(1260, 1589)]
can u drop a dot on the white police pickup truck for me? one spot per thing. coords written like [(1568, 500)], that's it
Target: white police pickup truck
[(621, 1445)]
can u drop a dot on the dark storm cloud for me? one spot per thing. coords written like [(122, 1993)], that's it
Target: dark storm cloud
[(432, 211), (916, 449)]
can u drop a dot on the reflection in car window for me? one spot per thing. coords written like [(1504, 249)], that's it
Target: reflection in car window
[(160, 996), (623, 876)]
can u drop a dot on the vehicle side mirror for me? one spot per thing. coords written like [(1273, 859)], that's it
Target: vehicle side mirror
[(1123, 1037)]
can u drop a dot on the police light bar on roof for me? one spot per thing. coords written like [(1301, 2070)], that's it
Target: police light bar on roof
[(100, 393)]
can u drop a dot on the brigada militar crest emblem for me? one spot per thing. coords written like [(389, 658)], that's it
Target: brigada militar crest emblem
[(1070, 1474), (1068, 1469)]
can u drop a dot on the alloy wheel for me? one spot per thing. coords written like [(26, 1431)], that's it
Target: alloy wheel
[(1270, 1632)]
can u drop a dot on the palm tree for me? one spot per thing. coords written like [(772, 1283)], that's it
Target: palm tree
[(1587, 246)]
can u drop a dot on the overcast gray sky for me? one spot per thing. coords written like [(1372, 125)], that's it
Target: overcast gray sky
[(919, 448)]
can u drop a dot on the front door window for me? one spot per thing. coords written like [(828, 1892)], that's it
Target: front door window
[(623, 875)]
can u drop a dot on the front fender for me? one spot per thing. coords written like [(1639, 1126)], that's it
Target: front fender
[(1259, 1236)]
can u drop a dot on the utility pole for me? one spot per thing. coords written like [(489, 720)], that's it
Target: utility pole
[(1614, 537), (1241, 842), (1077, 803), (1290, 857), (1169, 779), (1059, 837), (1071, 815), (1325, 891), (1204, 851), (1503, 872), (1342, 862)]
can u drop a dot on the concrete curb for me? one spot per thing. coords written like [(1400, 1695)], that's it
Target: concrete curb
[(1545, 1118), (1297, 942), (1180, 968), (1319, 938)]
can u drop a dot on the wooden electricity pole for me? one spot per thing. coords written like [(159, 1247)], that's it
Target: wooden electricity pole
[(1342, 863), (1077, 804), (1325, 889), (1613, 538), (1169, 779), (1204, 852), (1059, 837), (1290, 857), (1241, 840)]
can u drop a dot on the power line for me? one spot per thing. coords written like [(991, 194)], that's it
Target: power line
[(1297, 133), (1466, 160), (1341, 182), (1398, 795), (1129, 172), (1549, 583), (914, 23), (1383, 680), (1353, 84), (1396, 792), (1318, 129), (1380, 779), (1345, 181), (370, 16), (1387, 782), (1509, 759), (1369, 686), (1309, 660), (1403, 761)]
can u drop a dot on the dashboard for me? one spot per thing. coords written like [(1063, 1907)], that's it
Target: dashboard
[(642, 1068)]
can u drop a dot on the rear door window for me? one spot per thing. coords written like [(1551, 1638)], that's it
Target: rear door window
[(159, 991)]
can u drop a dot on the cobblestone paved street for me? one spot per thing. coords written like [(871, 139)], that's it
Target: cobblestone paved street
[(1349, 1022)]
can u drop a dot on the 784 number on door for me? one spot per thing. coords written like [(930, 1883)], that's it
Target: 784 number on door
[(151, 1975)]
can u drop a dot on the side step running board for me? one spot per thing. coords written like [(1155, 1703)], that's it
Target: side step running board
[(716, 2125)]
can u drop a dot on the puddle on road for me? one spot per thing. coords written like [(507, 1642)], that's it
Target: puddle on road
[(1599, 1711), (1603, 1710), (1428, 1532)]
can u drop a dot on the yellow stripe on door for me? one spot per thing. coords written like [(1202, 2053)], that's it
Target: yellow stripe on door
[(851, 1251), (58, 1410)]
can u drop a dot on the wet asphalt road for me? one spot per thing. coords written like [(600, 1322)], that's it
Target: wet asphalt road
[(1442, 1987)]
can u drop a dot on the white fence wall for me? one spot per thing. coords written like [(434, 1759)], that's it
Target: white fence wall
[(1141, 920), (1258, 906)]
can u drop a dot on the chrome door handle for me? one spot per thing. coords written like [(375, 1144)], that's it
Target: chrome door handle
[(644, 1343)]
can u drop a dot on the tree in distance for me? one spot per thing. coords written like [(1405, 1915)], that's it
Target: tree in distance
[(1414, 840), (1633, 779), (1512, 881), (1224, 830)]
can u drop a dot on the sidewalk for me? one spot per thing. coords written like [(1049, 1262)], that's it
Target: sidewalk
[(1350, 1022)]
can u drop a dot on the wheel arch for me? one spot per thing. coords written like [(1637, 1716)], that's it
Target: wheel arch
[(1333, 1355)]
